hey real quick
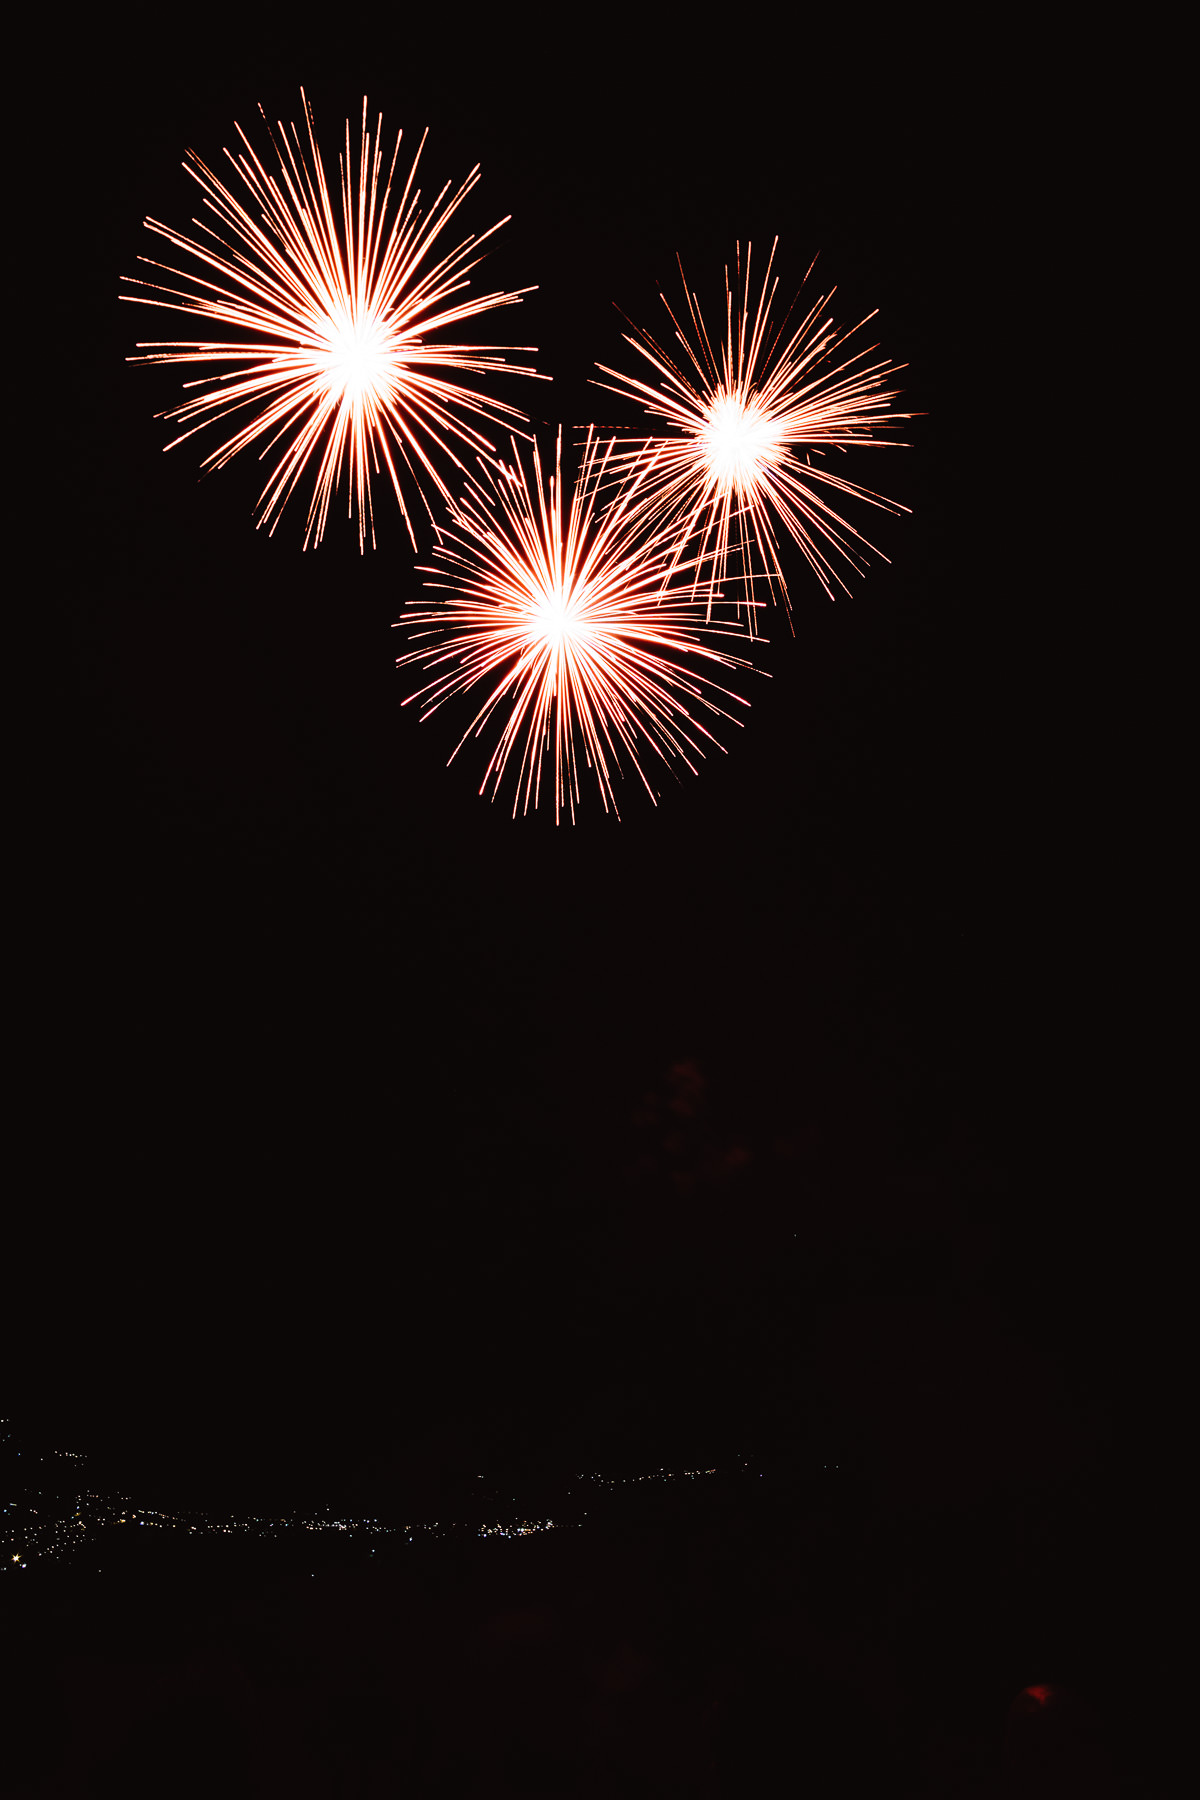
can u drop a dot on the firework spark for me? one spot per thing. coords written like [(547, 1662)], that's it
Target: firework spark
[(740, 422), (331, 320), (585, 634)]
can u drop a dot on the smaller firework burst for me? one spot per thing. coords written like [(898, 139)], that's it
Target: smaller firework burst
[(333, 329), (746, 422), (585, 638)]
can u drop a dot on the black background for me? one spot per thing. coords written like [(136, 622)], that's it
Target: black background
[(381, 1137), (349, 1069)]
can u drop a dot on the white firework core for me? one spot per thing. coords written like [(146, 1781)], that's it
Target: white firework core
[(740, 440)]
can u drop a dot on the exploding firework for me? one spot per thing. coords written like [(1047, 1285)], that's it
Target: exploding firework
[(746, 423), (586, 637), (328, 325)]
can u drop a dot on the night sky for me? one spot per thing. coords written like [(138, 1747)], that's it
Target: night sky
[(383, 1138)]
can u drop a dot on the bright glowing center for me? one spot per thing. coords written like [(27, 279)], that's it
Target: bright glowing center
[(357, 357), (738, 439), (554, 618)]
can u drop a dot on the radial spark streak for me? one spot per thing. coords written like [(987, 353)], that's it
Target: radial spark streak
[(745, 421), (328, 322), (586, 635)]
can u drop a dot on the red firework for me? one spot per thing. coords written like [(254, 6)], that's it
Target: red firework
[(746, 421), (582, 636), (331, 319)]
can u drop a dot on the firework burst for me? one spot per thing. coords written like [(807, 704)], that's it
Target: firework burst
[(746, 421), (327, 325), (586, 636)]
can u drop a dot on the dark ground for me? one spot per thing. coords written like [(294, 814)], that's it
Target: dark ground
[(759, 1629)]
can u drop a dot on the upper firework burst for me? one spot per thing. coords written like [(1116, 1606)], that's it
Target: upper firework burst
[(578, 626), (332, 318), (746, 422)]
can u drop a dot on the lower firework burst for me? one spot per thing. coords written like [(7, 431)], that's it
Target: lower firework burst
[(584, 638), (745, 423), (333, 326)]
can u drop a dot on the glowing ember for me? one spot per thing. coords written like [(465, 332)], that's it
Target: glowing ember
[(331, 324), (582, 636), (746, 426)]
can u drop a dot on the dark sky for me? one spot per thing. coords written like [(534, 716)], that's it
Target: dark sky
[(382, 1136)]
